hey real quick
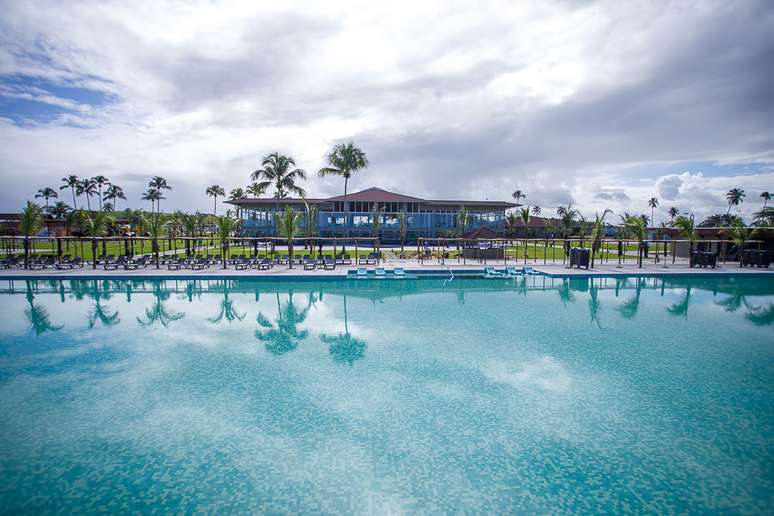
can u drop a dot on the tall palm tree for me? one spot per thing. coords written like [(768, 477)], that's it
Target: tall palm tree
[(597, 233), (72, 183), (236, 193), (87, 187), (59, 210), (673, 212), (402, 229), (766, 196), (567, 218), (159, 184), (257, 189), (214, 191), (279, 171), (537, 210), (95, 225), (687, 227), (288, 225), (100, 181), (511, 223), (311, 219), (46, 193), (376, 223), (634, 226), (188, 224), (30, 224), (154, 224), (226, 226), (463, 219), (518, 196), (344, 348), (113, 193), (344, 160), (652, 202), (740, 235), (152, 195), (524, 215), (735, 197)]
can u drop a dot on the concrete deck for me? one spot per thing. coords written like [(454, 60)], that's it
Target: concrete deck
[(553, 269)]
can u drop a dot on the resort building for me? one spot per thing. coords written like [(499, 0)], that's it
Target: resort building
[(424, 217)]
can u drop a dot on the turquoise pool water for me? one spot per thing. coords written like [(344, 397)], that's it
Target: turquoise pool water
[(526, 395)]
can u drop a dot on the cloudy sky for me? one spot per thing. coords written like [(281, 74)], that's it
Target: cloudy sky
[(603, 104)]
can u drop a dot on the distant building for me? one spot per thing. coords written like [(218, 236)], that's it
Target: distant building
[(424, 217)]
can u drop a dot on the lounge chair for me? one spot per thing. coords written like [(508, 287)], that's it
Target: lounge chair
[(528, 270), (329, 264), (177, 264), (399, 272), (115, 264), (309, 264), (339, 259), (9, 262), (242, 264), (372, 259), (380, 272), (263, 264), (64, 263), (362, 272), (346, 260), (513, 272), (140, 262), (490, 272), (362, 260), (201, 263)]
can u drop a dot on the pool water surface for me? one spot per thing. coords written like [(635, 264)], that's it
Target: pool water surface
[(532, 394)]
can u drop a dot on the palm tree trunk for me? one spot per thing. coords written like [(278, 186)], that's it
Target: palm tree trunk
[(72, 189), (215, 206), (93, 253), (88, 201), (346, 217), (26, 251)]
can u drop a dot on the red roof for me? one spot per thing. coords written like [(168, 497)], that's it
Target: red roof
[(374, 194), (482, 232)]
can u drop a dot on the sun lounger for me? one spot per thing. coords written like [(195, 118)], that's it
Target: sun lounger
[(362, 272), (177, 264), (309, 264), (372, 259), (263, 264), (329, 264), (528, 270), (346, 259), (490, 272), (242, 264), (513, 271), (380, 272), (115, 264), (399, 272)]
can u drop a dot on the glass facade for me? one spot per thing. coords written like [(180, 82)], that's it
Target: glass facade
[(422, 219)]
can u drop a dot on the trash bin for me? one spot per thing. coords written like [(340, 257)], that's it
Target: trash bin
[(579, 257)]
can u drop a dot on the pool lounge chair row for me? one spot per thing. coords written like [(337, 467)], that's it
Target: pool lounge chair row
[(508, 272), (381, 272)]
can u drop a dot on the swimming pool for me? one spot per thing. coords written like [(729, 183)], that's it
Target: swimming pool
[(533, 394)]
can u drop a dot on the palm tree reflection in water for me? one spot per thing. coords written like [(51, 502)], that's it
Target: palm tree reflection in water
[(680, 309), (629, 308), (344, 348), (285, 336), (158, 312), (37, 315), (101, 312), (227, 309)]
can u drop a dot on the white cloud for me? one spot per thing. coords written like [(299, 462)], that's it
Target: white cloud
[(560, 100)]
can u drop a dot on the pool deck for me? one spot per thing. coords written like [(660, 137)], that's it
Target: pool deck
[(556, 269)]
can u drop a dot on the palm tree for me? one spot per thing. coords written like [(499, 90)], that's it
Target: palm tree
[(311, 220), (524, 216), (344, 160), (597, 233), (286, 335), (100, 181), (46, 193), (344, 348), (279, 171), (154, 224), (72, 183), (189, 226), (567, 216), (257, 189), (30, 224), (113, 193), (288, 225), (95, 226), (634, 226), (152, 195), (687, 227), (226, 225), (735, 197), (402, 229), (463, 218), (214, 191), (673, 212), (652, 202), (536, 210), (766, 196), (511, 222), (87, 187), (518, 196), (740, 235), (376, 222), (236, 193), (59, 210), (159, 184)]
